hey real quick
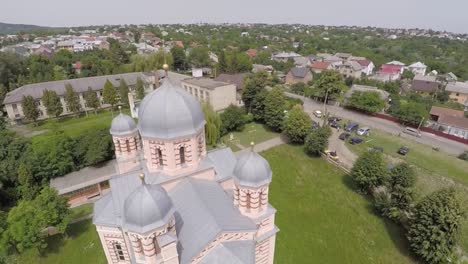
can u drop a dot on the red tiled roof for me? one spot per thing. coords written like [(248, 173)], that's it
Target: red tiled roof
[(390, 68), (320, 65), (440, 111), (460, 122), (364, 63)]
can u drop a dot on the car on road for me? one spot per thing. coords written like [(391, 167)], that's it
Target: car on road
[(355, 140), (403, 150), (344, 135), (412, 131), (351, 126), (376, 149), (318, 113), (363, 131), (332, 155)]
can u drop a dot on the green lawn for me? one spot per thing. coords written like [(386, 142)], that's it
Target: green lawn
[(82, 210), (252, 132), (322, 219), (81, 246), (435, 169)]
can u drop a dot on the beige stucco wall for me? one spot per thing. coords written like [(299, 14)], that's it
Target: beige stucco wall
[(459, 97), (220, 97)]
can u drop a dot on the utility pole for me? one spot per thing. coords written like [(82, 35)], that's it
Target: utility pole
[(420, 123)]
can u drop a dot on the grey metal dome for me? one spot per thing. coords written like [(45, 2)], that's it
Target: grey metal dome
[(147, 208), (252, 170), (169, 112), (122, 125)]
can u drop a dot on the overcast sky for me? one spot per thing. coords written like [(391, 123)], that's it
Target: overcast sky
[(451, 15)]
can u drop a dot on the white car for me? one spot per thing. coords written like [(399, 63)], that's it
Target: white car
[(363, 131), (318, 113)]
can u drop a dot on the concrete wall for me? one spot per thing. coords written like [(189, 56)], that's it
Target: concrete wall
[(220, 97)]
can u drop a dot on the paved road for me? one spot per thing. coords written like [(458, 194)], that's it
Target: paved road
[(449, 146)]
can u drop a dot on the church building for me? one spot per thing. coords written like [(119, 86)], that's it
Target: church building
[(175, 202)]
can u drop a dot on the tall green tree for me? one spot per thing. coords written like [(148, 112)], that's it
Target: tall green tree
[(30, 110), (92, 100), (72, 100), (258, 106), (317, 141), (330, 84), (212, 126), (435, 227), (109, 94), (297, 125), (199, 57), (232, 119), (274, 109), (369, 102), (253, 84), (140, 89), (369, 171), (52, 103), (179, 57), (222, 64), (123, 92)]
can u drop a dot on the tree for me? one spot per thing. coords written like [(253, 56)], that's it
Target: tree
[(258, 106), (297, 125), (199, 57), (222, 63), (330, 84), (212, 125), (180, 60), (53, 209), (140, 89), (123, 92), (30, 110), (412, 113), (72, 100), (317, 141), (253, 84), (52, 103), (232, 119), (435, 226), (27, 185), (109, 95), (274, 108), (93, 147), (407, 74), (369, 102), (369, 171), (92, 100)]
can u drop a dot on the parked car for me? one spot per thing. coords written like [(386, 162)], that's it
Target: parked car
[(335, 125), (412, 131), (403, 150), (318, 113), (363, 131), (351, 126), (332, 155), (334, 119), (355, 140), (376, 149), (344, 136)]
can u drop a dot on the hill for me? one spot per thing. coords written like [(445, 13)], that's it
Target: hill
[(6, 28)]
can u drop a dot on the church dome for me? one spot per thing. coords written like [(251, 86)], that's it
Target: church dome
[(252, 170), (169, 112), (122, 125), (147, 208)]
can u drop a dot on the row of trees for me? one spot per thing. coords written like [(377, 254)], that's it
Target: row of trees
[(54, 108), (432, 224)]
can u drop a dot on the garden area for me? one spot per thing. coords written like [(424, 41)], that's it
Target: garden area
[(252, 132)]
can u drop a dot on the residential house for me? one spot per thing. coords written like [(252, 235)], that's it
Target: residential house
[(391, 71), (328, 57), (13, 99), (425, 84), (144, 48), (320, 66), (68, 45), (348, 69), (284, 56), (449, 121), (218, 94), (236, 78), (367, 65), (260, 67), (458, 92), (298, 75), (302, 61), (343, 56), (418, 68)]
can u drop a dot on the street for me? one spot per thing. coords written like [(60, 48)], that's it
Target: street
[(449, 146)]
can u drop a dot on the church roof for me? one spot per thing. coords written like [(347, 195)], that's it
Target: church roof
[(224, 161), (169, 112), (234, 252), (203, 211), (122, 125), (252, 170)]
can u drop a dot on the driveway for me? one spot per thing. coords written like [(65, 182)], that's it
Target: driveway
[(449, 146)]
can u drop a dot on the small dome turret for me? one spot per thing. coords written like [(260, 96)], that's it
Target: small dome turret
[(252, 170), (169, 112), (123, 125), (147, 208)]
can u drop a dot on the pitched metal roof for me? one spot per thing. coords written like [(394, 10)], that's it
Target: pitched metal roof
[(79, 85), (224, 161), (203, 211), (252, 170), (234, 252), (457, 87), (122, 125), (299, 72)]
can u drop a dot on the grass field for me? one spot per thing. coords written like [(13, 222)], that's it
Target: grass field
[(322, 219), (252, 132), (82, 210), (435, 169)]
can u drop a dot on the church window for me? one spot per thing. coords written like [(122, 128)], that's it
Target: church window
[(119, 251), (182, 155), (127, 145), (160, 156)]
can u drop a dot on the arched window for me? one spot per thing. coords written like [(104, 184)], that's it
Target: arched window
[(118, 251), (127, 145), (247, 203), (182, 155), (160, 157)]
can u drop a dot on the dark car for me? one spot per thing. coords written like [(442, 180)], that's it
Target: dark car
[(334, 119), (355, 140), (351, 126), (344, 136), (376, 149), (403, 150), (335, 125)]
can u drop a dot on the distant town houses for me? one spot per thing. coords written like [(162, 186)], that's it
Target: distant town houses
[(458, 92), (449, 121), (285, 56), (299, 75), (13, 99), (425, 84)]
